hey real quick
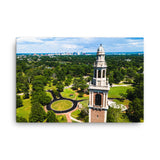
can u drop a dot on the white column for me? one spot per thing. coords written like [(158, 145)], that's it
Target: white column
[(105, 116), (89, 97), (92, 98), (106, 99)]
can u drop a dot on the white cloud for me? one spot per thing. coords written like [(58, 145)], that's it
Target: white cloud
[(28, 39)]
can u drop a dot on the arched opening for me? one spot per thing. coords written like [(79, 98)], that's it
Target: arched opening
[(99, 73), (98, 99), (103, 73)]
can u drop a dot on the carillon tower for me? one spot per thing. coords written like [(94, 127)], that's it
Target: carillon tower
[(98, 90)]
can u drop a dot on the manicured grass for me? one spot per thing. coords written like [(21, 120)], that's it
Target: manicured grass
[(125, 102), (25, 110), (85, 96), (61, 105), (61, 118), (75, 113), (66, 93), (116, 91), (84, 103)]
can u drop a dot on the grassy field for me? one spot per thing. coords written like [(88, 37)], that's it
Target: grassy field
[(61, 105), (84, 103), (116, 91), (68, 91), (75, 113), (25, 110), (61, 118), (125, 102)]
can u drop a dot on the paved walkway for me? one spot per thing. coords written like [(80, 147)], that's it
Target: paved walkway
[(124, 85), (68, 117)]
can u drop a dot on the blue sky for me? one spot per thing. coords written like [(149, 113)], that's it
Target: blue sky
[(78, 44)]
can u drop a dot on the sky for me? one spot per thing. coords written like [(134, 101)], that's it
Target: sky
[(78, 44)]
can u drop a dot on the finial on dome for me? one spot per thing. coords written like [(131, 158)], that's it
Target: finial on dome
[(100, 44)]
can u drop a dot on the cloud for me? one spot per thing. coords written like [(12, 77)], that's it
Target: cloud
[(77, 44)]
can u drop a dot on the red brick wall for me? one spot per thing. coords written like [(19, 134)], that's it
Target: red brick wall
[(97, 116)]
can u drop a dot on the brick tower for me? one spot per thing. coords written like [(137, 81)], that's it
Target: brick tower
[(98, 90)]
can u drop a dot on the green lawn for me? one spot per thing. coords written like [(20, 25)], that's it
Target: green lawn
[(61, 105), (125, 102), (116, 91), (25, 110), (75, 113), (66, 93), (84, 103), (61, 118)]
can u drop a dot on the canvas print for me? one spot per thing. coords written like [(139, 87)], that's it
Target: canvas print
[(79, 79)]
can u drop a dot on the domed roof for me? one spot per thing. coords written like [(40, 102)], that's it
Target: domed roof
[(100, 50)]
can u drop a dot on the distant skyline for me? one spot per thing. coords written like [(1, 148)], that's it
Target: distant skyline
[(78, 44)]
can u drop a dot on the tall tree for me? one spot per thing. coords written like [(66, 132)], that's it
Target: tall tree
[(19, 102), (37, 113), (51, 116), (60, 86), (136, 111), (116, 115)]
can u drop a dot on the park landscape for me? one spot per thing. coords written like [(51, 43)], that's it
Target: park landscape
[(55, 88)]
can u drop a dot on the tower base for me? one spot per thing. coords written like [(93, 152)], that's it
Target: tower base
[(98, 116)]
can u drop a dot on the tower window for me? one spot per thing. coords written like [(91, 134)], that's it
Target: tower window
[(99, 73), (103, 73), (98, 99), (95, 71)]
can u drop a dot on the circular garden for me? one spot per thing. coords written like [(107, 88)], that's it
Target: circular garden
[(61, 105)]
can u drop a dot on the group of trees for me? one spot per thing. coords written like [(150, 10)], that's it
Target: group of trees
[(124, 67), (80, 83), (22, 85), (38, 100), (136, 96), (135, 112), (116, 115), (59, 70)]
